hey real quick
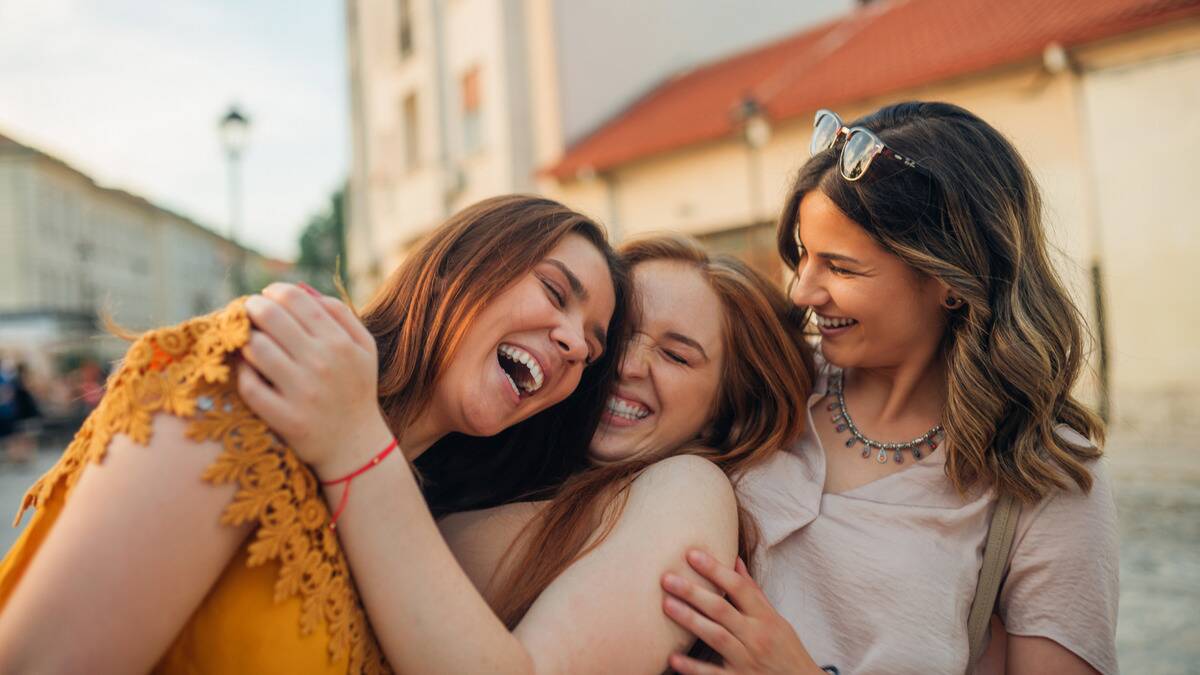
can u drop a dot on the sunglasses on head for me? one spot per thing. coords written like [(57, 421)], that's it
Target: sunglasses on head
[(861, 148)]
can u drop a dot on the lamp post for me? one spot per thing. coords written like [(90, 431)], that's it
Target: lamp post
[(234, 128), (756, 132)]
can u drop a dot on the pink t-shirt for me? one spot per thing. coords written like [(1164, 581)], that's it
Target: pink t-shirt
[(880, 579)]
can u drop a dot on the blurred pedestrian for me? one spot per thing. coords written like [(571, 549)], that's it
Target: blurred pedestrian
[(27, 419)]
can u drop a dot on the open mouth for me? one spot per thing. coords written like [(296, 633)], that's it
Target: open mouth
[(624, 409), (523, 371)]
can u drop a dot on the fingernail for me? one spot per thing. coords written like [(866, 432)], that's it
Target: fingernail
[(672, 581), (673, 604), (698, 557), (308, 289)]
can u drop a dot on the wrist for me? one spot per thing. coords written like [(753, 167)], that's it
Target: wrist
[(355, 450)]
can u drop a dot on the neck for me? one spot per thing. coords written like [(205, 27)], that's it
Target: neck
[(421, 435), (915, 388)]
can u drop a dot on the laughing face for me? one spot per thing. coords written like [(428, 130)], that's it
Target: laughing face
[(872, 309), (526, 350), (671, 373)]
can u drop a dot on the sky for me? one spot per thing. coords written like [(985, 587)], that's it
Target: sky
[(130, 92)]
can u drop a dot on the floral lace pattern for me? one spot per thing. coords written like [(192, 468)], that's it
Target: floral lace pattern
[(184, 370)]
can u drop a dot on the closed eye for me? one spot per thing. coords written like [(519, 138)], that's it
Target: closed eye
[(560, 300), (675, 357)]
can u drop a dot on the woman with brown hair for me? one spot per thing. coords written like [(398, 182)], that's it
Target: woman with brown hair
[(178, 533), (708, 388), (949, 352)]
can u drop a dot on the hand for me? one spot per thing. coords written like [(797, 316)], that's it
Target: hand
[(745, 630), (310, 372)]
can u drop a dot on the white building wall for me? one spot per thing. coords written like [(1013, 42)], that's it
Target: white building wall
[(1145, 140)]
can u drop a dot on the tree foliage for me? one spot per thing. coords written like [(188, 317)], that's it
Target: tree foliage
[(323, 245)]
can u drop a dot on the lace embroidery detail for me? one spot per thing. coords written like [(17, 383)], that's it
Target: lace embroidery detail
[(185, 370)]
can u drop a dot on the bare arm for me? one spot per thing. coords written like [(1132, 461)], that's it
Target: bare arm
[(135, 550), (601, 615)]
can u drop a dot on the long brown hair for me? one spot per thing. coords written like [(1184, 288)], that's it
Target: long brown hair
[(420, 315), (759, 409), (972, 217)]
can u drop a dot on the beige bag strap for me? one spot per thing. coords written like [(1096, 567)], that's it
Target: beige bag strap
[(995, 558)]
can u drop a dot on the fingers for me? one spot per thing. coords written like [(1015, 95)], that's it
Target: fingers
[(704, 628), (689, 666), (273, 319), (305, 308), (262, 399), (349, 322), (708, 603), (270, 361), (740, 568), (741, 589)]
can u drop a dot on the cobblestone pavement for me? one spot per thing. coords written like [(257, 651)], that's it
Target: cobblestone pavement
[(1158, 501)]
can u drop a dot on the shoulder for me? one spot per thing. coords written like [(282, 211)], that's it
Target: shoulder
[(685, 496), (692, 478)]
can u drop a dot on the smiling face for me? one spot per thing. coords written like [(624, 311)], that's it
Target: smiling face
[(871, 308), (527, 348), (671, 372)]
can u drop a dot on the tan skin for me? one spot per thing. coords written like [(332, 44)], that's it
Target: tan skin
[(895, 383)]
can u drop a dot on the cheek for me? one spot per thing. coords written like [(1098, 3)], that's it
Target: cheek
[(686, 402)]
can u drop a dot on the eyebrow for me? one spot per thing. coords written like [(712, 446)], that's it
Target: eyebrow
[(581, 293), (826, 256), (577, 288), (839, 256), (680, 337)]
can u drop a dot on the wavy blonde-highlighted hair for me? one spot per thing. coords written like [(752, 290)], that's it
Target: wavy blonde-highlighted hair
[(972, 217), (759, 409)]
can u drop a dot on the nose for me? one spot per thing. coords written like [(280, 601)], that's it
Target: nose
[(806, 289), (568, 338), (633, 363)]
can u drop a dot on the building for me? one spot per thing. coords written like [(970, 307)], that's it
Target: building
[(1101, 98), (455, 101), (71, 249)]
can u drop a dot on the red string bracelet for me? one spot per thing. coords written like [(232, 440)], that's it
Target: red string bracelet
[(351, 476)]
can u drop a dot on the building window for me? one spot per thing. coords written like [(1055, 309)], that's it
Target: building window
[(412, 135), (472, 111), (405, 27)]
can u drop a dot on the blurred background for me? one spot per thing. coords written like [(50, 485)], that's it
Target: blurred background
[(158, 159)]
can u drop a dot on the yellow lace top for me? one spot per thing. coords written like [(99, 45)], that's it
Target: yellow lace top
[(286, 603)]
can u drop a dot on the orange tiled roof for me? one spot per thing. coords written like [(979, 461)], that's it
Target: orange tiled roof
[(884, 47)]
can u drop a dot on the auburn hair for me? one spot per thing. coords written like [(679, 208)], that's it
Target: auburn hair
[(972, 218), (765, 383), (419, 317)]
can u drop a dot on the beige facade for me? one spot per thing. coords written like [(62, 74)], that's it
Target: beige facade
[(71, 249), (1110, 133), (1112, 140), (456, 101)]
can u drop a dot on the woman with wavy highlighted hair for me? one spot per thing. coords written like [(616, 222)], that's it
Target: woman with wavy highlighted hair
[(948, 351)]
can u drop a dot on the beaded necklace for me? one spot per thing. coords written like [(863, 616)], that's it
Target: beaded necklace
[(841, 417)]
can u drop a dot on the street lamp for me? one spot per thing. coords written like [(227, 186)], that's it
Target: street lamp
[(756, 132), (234, 128)]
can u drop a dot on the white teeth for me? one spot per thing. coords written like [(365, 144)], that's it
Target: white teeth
[(627, 409), (512, 382), (514, 353), (833, 322)]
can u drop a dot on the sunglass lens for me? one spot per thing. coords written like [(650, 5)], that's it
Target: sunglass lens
[(857, 155), (825, 131)]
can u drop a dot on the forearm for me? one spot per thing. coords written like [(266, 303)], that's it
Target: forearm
[(426, 613)]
